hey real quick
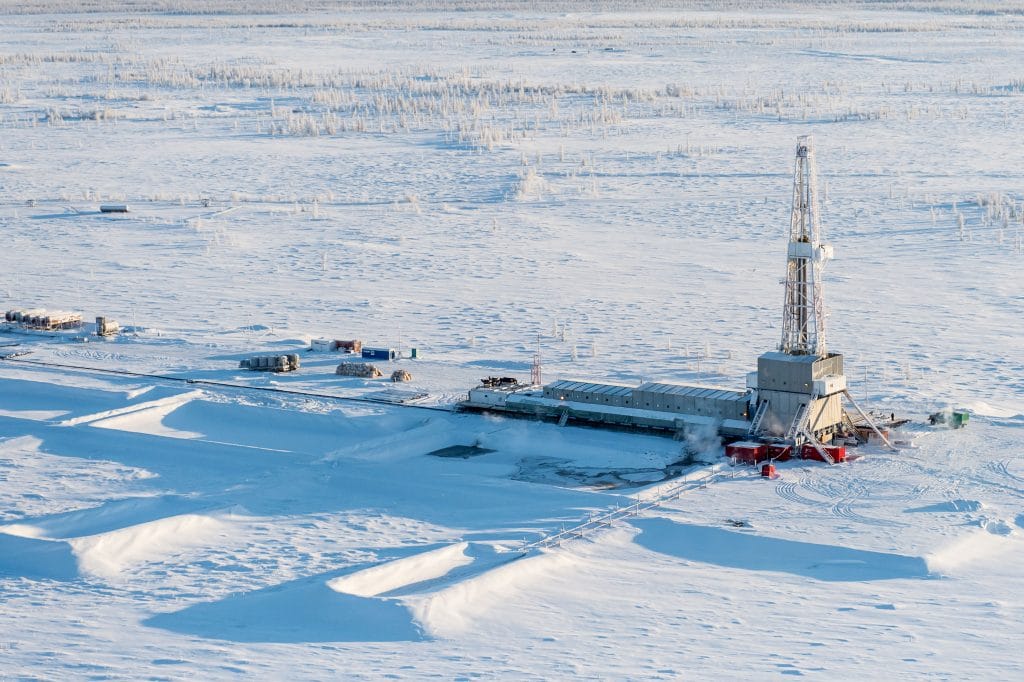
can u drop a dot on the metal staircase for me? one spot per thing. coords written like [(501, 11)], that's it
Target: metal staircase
[(799, 422), (869, 421), (800, 433), (848, 423), (817, 446), (755, 424)]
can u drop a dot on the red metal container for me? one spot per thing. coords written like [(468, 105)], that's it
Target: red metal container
[(747, 452), (780, 452), (768, 470), (808, 451), (837, 452)]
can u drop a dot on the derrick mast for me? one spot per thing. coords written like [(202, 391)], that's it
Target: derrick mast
[(803, 310)]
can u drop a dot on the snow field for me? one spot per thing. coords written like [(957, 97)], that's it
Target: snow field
[(612, 186), (347, 550)]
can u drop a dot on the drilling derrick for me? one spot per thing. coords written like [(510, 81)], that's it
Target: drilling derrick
[(799, 388), (803, 311)]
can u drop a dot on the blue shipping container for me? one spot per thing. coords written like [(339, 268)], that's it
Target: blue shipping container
[(380, 353)]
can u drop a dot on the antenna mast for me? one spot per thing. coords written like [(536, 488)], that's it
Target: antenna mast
[(535, 370), (803, 310)]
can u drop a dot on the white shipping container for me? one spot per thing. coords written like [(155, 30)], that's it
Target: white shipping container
[(322, 345)]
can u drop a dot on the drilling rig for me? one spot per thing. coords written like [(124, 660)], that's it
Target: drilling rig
[(800, 387), (795, 399)]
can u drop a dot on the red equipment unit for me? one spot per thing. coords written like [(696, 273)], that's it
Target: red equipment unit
[(837, 452), (780, 452), (768, 470), (353, 346), (747, 452)]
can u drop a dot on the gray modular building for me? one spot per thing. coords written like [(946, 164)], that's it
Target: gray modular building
[(661, 406), (615, 395), (787, 383), (702, 401)]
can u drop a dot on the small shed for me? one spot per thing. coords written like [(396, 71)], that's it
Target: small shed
[(747, 452), (380, 353), (348, 345), (321, 345)]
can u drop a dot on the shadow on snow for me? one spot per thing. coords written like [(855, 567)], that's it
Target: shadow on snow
[(745, 551)]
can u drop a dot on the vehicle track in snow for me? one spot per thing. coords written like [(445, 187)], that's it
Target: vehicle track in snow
[(880, 484), (973, 474), (906, 494), (1002, 467), (787, 490), (844, 510), (842, 488), (835, 485), (841, 493)]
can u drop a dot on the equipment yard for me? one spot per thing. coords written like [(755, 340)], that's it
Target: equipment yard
[(315, 234)]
